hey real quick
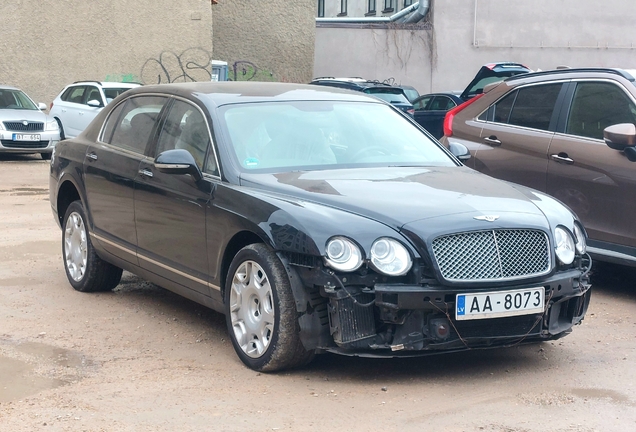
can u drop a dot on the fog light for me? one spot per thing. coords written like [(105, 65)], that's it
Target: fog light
[(440, 328)]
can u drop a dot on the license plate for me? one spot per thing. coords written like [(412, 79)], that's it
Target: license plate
[(26, 137), (498, 304)]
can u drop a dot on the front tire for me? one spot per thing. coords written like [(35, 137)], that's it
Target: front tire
[(261, 312), (46, 156), (85, 271)]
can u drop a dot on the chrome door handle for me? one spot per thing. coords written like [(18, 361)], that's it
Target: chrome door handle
[(146, 173), (91, 156), (562, 158), (492, 140)]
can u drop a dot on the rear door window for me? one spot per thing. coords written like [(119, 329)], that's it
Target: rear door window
[(74, 94), (531, 107), (132, 124), (597, 105)]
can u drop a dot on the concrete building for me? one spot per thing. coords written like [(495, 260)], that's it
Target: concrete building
[(445, 50), (50, 44)]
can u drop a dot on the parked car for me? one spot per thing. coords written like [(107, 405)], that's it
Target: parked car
[(24, 128), (392, 94), (490, 73), (431, 109), (410, 92), (79, 103), (545, 130), (315, 220)]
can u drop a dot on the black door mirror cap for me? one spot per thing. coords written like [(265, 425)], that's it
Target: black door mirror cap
[(178, 162), (620, 136)]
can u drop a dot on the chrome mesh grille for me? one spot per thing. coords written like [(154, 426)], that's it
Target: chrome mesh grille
[(21, 127), (492, 255)]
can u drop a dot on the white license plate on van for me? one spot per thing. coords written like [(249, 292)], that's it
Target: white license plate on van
[(497, 304)]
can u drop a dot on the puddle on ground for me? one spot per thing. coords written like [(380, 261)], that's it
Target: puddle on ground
[(25, 191), (18, 380), (41, 247), (30, 367), (593, 393)]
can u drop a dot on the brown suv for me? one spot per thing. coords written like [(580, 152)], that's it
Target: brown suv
[(546, 130)]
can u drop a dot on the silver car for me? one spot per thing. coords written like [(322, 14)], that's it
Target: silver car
[(24, 128), (79, 103)]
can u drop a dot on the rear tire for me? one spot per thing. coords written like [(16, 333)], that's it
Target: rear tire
[(85, 271), (261, 312)]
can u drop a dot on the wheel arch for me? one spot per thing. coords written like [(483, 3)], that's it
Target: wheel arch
[(236, 243), (66, 194)]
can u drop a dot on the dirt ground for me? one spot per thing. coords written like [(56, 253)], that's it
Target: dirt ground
[(143, 359)]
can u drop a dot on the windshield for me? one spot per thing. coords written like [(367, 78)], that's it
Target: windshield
[(388, 95), (15, 99), (112, 93), (289, 136)]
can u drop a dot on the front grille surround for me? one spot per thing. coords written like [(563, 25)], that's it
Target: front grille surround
[(18, 126), (493, 255)]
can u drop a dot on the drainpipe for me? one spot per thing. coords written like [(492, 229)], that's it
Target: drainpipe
[(403, 13), (420, 13)]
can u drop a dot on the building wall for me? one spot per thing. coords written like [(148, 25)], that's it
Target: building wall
[(466, 34), (46, 45), (266, 40)]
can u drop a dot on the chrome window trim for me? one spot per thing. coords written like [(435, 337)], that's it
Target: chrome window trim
[(150, 260)]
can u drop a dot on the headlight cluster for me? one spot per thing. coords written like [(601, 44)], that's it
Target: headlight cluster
[(52, 125), (388, 256), (568, 244)]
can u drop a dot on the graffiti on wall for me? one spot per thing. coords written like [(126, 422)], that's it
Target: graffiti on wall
[(192, 64), (244, 70), (124, 78)]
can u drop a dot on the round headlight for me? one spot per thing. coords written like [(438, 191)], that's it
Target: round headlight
[(564, 245), (343, 254), (579, 239), (390, 257)]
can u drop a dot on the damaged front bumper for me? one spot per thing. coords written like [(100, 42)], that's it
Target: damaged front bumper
[(406, 320)]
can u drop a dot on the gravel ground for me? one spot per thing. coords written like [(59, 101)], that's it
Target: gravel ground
[(143, 359)]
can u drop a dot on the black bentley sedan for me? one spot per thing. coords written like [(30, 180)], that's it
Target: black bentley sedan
[(316, 220)]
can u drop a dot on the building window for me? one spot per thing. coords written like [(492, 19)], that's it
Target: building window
[(321, 8), (388, 6), (371, 7), (343, 8), (407, 3)]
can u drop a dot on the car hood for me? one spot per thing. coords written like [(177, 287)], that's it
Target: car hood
[(399, 196), (21, 114)]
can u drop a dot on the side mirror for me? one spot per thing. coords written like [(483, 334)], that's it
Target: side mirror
[(42, 106), (94, 103), (459, 151), (619, 136), (622, 137), (179, 162)]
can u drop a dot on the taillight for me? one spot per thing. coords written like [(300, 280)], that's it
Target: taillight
[(450, 115), (411, 111), (50, 106)]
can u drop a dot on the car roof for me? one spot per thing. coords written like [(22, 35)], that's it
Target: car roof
[(108, 84), (226, 92), (361, 82), (575, 73), (8, 87)]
